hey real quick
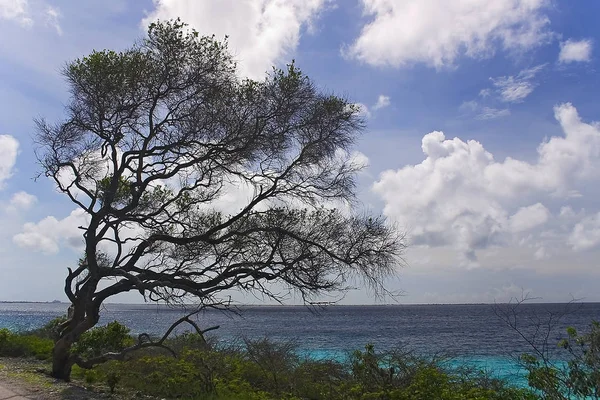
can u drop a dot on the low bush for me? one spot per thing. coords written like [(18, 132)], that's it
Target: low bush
[(112, 337), (322, 379), (28, 345), (265, 370), (190, 341)]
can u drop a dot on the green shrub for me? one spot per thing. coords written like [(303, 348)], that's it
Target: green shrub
[(270, 365), (323, 379), (433, 383), (236, 389), (400, 375), (112, 379), (92, 376), (16, 345), (112, 337), (245, 374), (367, 369), (190, 341), (161, 376)]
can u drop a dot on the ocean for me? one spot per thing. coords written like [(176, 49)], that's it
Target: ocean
[(472, 333)]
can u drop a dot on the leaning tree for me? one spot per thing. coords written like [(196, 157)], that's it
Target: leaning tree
[(157, 138)]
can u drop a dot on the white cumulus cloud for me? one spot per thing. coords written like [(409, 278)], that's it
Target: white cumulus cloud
[(382, 102), (363, 110), (9, 147), (16, 10), (575, 51), (28, 13), (528, 217), (50, 233), (436, 32), (586, 233), (261, 33), (22, 200), (460, 196)]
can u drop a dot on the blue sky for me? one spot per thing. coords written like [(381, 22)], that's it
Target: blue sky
[(481, 137)]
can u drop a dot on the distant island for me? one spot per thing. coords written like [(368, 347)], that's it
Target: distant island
[(30, 302)]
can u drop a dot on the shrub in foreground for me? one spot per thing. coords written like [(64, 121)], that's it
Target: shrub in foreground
[(39, 343), (262, 369), (112, 337), (400, 375), (28, 345)]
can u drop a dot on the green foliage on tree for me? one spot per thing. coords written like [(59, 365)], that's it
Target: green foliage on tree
[(578, 377)]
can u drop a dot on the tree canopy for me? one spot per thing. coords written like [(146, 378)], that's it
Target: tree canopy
[(158, 136)]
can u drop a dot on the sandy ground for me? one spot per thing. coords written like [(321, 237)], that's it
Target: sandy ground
[(24, 379)]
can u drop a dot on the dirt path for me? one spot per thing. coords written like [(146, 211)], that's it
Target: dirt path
[(12, 393), (22, 379)]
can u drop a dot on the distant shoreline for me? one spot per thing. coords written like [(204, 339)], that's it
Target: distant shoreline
[(32, 302), (309, 305)]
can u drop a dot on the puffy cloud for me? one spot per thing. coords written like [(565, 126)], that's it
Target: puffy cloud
[(237, 193), (363, 110), (575, 51), (436, 32), (586, 234), (460, 196), (9, 147), (16, 10), (261, 32), (540, 253), (382, 102), (50, 234), (47, 235), (514, 89), (528, 218), (27, 13), (22, 200), (356, 159)]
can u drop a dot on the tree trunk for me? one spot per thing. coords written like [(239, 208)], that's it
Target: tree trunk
[(61, 359)]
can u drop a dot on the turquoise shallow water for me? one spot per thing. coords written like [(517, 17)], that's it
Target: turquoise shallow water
[(499, 367), (506, 368)]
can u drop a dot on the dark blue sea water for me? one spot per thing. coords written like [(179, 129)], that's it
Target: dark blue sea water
[(472, 333)]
